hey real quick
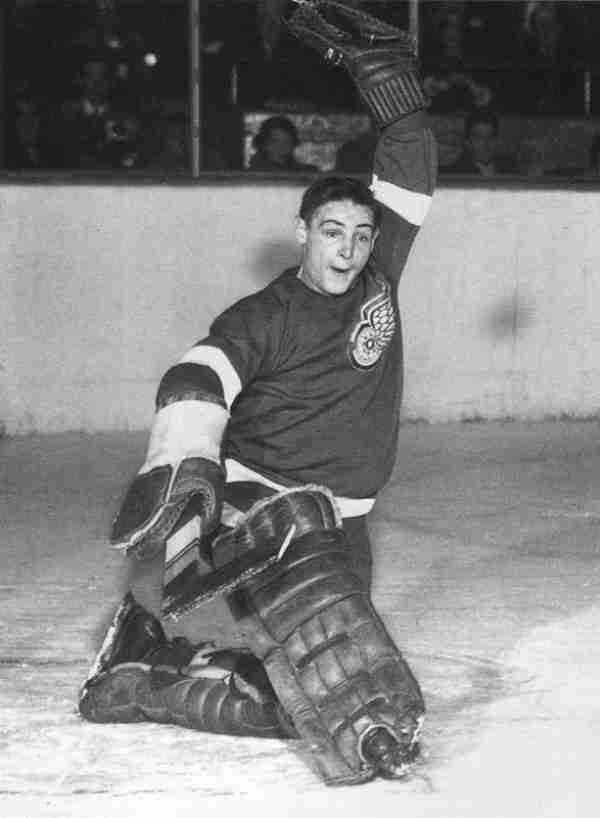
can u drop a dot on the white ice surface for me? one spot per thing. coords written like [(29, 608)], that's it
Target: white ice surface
[(487, 574)]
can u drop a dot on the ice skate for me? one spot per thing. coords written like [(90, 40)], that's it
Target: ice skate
[(132, 635)]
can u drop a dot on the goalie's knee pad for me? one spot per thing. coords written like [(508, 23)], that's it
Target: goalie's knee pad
[(308, 616), (332, 663)]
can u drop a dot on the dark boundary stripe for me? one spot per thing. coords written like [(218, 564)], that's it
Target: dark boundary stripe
[(328, 644), (190, 381)]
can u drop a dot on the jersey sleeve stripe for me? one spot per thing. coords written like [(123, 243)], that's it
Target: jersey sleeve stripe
[(409, 204), (217, 360), (189, 382), (188, 428)]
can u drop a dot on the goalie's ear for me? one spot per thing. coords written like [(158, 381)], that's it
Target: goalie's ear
[(301, 231)]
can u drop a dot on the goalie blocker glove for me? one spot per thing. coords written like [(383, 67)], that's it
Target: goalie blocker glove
[(183, 466), (381, 59), (156, 499)]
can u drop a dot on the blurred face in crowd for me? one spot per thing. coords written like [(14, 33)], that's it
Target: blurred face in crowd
[(544, 17), (28, 130), (279, 146), (336, 245), (95, 80), (451, 36), (482, 142), (175, 140), (545, 27)]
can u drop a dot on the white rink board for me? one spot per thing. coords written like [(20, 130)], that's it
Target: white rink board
[(104, 287)]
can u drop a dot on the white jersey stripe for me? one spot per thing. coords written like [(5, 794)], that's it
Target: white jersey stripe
[(187, 428), (348, 506), (409, 204), (215, 359)]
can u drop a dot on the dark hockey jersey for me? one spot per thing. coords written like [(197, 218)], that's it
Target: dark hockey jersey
[(320, 381), (313, 382)]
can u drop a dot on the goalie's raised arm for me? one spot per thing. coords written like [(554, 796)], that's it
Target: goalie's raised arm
[(382, 61)]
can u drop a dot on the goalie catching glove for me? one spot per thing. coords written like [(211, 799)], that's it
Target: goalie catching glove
[(380, 58)]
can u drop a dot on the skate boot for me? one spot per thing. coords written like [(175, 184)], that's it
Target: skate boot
[(133, 636), (139, 676)]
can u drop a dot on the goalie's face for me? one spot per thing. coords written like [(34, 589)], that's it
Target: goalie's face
[(336, 245)]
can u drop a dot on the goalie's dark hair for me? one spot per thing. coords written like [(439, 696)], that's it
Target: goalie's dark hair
[(337, 189)]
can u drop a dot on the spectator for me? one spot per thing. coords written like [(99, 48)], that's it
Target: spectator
[(122, 144), (549, 83), (450, 85), (168, 147), (480, 150), (531, 159), (544, 30), (82, 132), (25, 142), (275, 144)]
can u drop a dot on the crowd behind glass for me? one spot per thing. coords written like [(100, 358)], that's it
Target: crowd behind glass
[(104, 86)]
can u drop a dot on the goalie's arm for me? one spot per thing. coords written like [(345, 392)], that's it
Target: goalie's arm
[(183, 461), (382, 62), (404, 177)]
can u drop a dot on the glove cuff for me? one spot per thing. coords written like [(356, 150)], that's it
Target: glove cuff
[(394, 98)]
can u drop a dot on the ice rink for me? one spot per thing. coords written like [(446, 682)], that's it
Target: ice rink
[(487, 575)]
